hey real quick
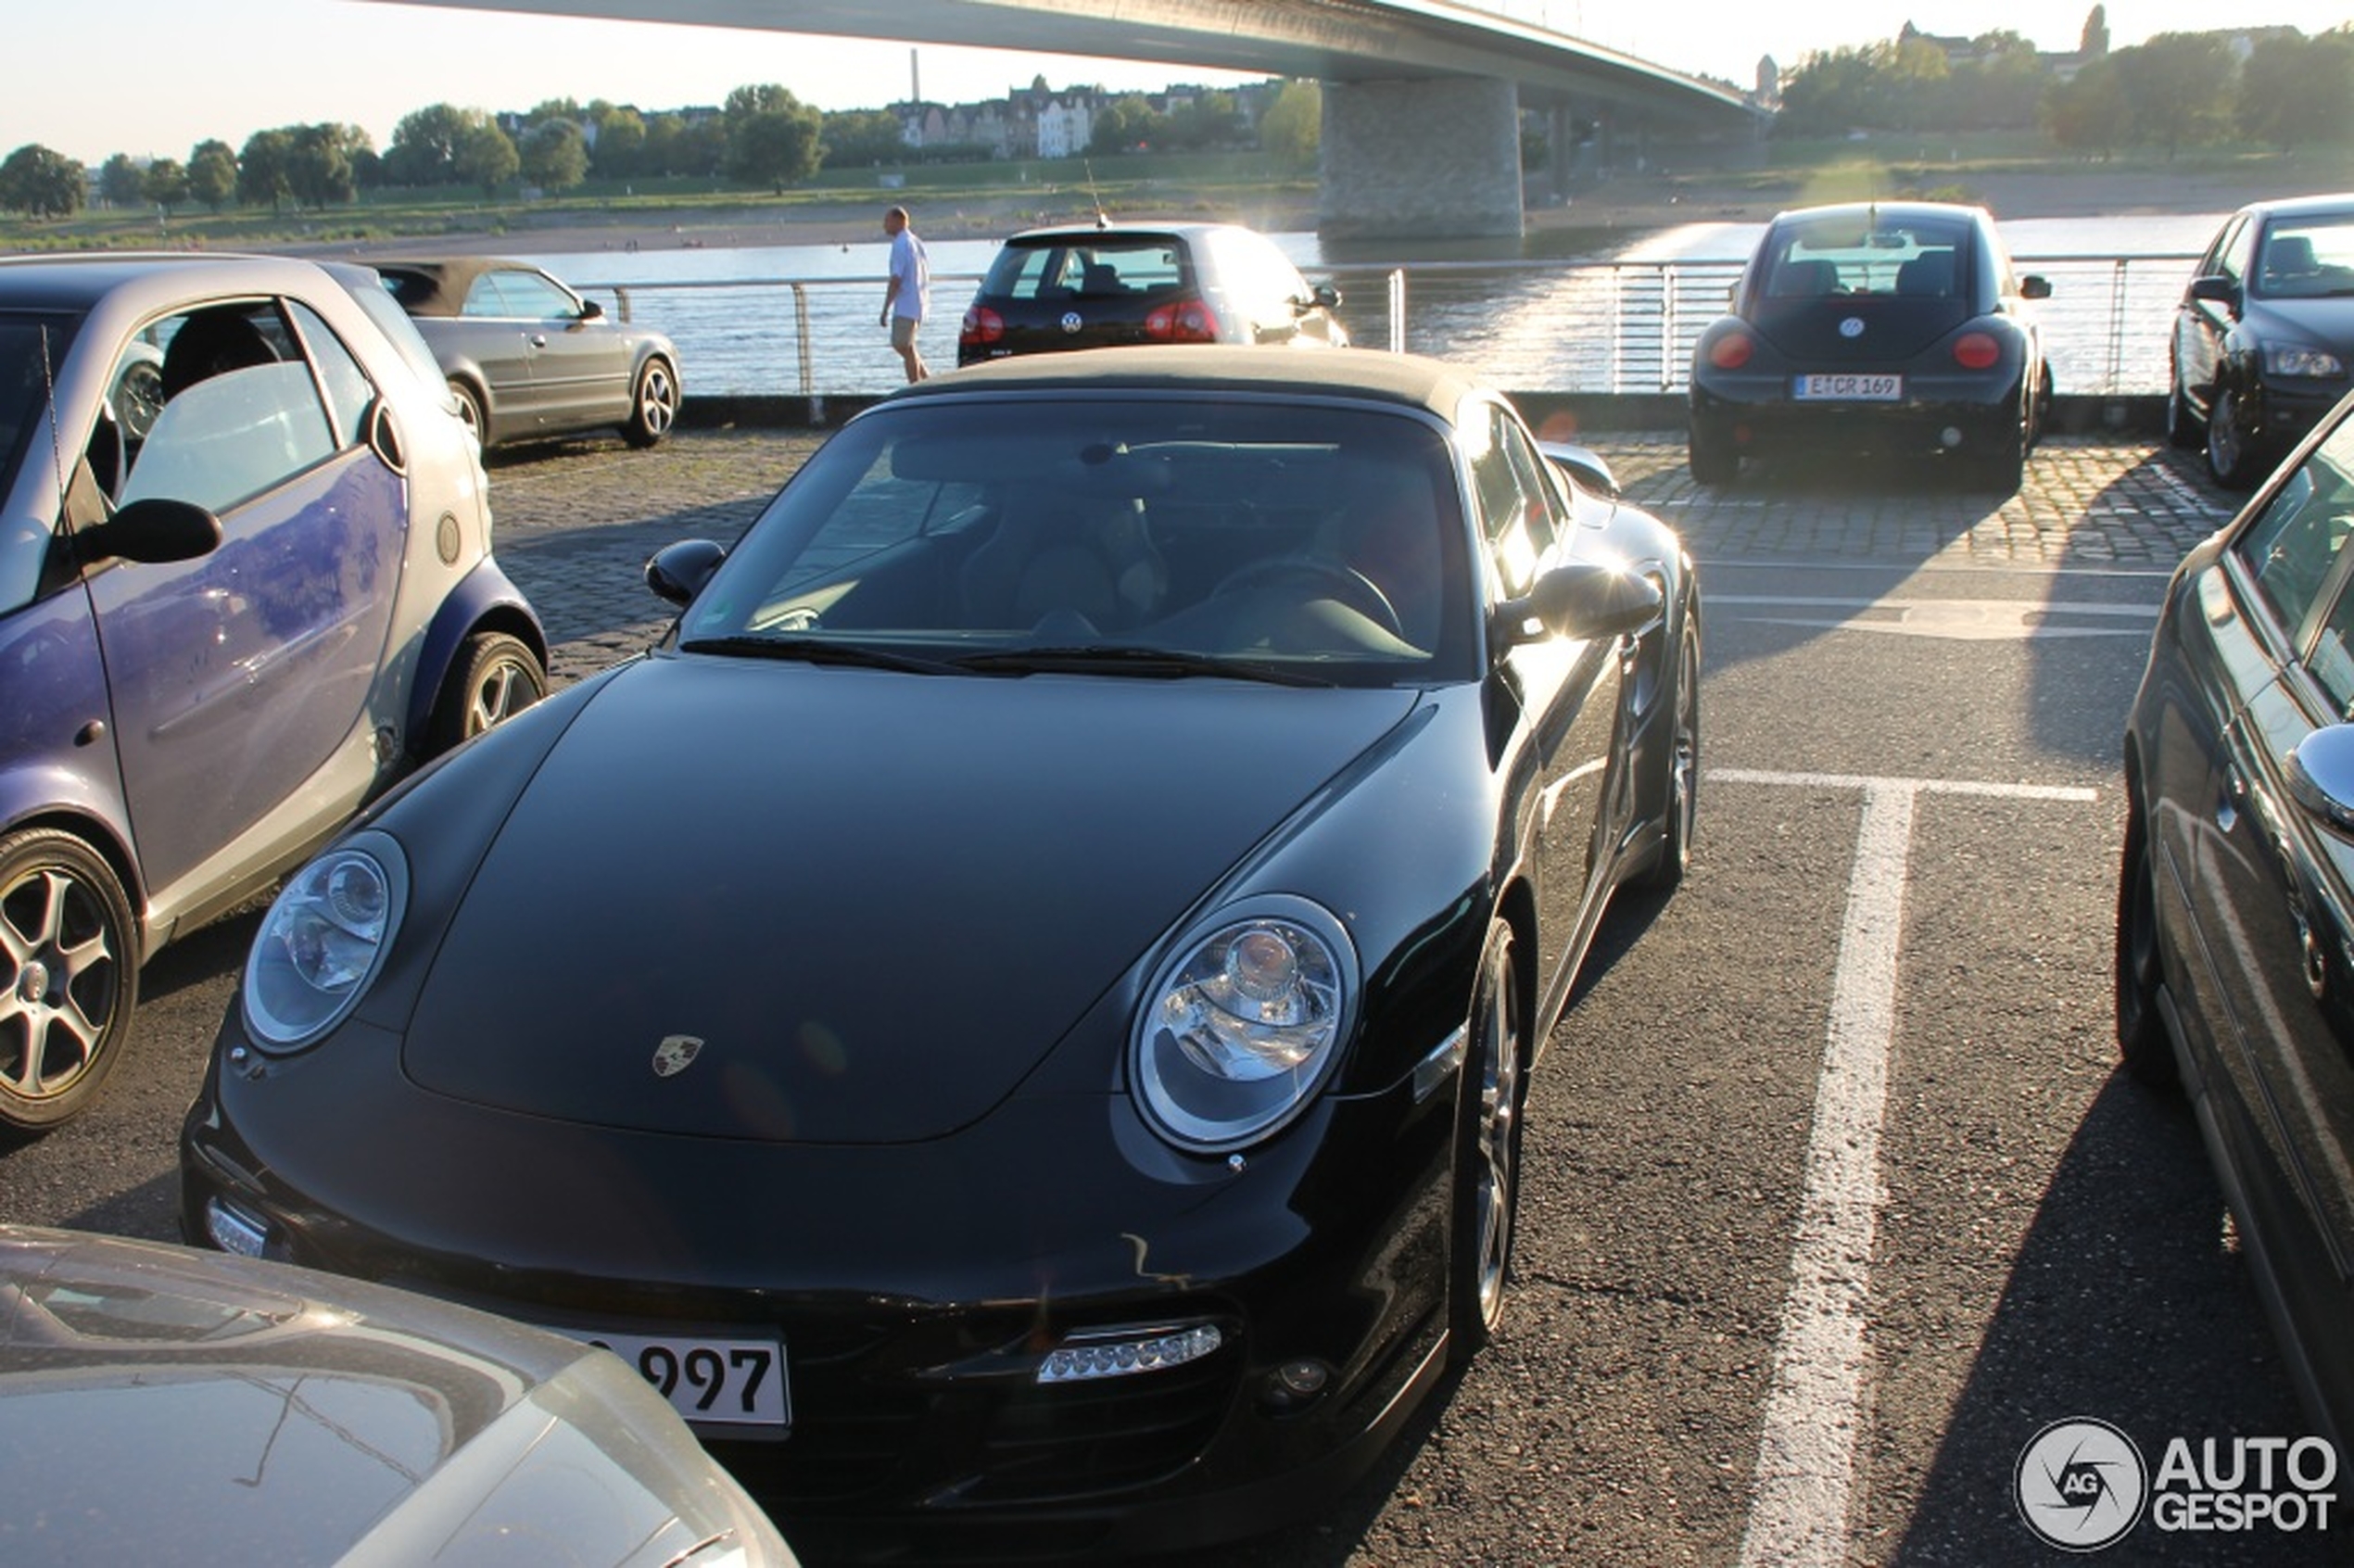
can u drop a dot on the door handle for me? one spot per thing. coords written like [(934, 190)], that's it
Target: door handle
[(538, 340)]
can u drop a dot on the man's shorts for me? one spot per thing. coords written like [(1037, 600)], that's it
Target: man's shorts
[(903, 331)]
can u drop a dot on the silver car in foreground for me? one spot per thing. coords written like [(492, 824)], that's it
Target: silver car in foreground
[(162, 1405)]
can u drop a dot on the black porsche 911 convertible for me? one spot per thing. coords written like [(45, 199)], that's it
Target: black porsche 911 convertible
[(1016, 1014)]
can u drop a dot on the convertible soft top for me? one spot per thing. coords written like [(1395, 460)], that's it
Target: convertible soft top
[(438, 286)]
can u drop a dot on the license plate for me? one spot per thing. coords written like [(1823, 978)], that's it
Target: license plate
[(710, 1381), (1849, 389)]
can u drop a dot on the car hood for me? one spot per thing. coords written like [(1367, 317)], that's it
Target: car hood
[(2324, 321), (863, 903)]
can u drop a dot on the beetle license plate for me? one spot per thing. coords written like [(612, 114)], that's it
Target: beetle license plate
[(1849, 389), (711, 1382)]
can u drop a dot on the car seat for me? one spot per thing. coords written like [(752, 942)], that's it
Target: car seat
[(2289, 256), (1089, 556), (1804, 280), (1928, 275)]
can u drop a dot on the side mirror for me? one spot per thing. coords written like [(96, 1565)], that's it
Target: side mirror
[(591, 311), (1328, 297), (679, 572), (1580, 599), (2320, 775), (2217, 289), (2034, 285), (1583, 465), (154, 531)]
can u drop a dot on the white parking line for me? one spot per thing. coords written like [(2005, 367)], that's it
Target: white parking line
[(1806, 1477)]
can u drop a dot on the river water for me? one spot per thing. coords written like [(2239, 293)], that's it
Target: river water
[(1595, 311)]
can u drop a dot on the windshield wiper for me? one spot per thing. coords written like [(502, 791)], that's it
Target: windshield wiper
[(818, 650), (1127, 660)]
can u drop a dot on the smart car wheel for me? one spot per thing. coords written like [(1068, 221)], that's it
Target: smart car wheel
[(68, 940), (2231, 452), (1679, 811), (1714, 460), (1487, 1151), (495, 678), (654, 405), (2141, 1041), (469, 412)]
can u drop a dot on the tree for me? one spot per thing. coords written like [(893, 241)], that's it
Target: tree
[(263, 169), (1292, 129), (424, 145), (486, 157), (165, 184), (2300, 92), (621, 143), (41, 182), (1126, 124), (861, 138), (2095, 42), (554, 154), (2177, 88), (212, 175), (119, 181), (774, 148), (322, 164), (2089, 113)]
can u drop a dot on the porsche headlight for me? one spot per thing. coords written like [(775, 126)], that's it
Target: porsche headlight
[(1243, 1022), (321, 942)]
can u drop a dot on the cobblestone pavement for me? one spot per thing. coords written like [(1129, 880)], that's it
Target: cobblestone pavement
[(576, 520)]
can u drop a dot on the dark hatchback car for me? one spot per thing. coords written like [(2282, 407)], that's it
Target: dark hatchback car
[(527, 357), (1101, 857), (2235, 908), (1890, 327), (245, 583), (1096, 285), (2263, 340)]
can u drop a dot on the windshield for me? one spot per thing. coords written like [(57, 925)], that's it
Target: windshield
[(2306, 259), (1011, 537), (33, 349)]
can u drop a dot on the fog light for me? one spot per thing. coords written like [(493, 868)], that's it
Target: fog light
[(1124, 1352), (1303, 1379), (1950, 437), (232, 1232)]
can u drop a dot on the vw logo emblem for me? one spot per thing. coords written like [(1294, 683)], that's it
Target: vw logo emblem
[(1852, 327), (1071, 321), (674, 1054)]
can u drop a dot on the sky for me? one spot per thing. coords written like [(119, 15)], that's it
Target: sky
[(160, 75)]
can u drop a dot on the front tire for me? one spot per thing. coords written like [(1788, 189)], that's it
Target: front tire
[(1487, 1165), (2232, 450), (1680, 810), (469, 412), (654, 404), (495, 678), (2184, 430), (69, 940)]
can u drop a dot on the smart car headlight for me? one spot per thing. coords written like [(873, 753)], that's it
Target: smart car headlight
[(1243, 1022), (322, 941), (2297, 359)]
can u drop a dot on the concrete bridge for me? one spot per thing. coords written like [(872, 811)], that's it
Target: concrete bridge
[(1422, 97)]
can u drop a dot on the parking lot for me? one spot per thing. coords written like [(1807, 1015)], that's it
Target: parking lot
[(1833, 1196)]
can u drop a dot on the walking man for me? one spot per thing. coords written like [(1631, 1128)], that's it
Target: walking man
[(908, 299)]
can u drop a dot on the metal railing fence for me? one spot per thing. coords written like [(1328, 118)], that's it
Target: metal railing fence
[(1603, 328)]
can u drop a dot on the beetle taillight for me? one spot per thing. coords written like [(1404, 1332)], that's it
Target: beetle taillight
[(1977, 350), (1732, 350)]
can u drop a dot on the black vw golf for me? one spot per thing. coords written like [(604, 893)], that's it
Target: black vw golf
[(1016, 1013)]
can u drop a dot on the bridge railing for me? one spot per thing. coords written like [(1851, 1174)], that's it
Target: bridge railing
[(1601, 328)]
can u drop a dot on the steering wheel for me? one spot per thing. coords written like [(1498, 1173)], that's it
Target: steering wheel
[(1349, 586)]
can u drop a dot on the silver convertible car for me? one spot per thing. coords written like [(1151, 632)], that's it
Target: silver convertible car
[(159, 1404), (527, 357)]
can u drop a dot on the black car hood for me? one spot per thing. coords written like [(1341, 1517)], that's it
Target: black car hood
[(2328, 320), (876, 900)]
